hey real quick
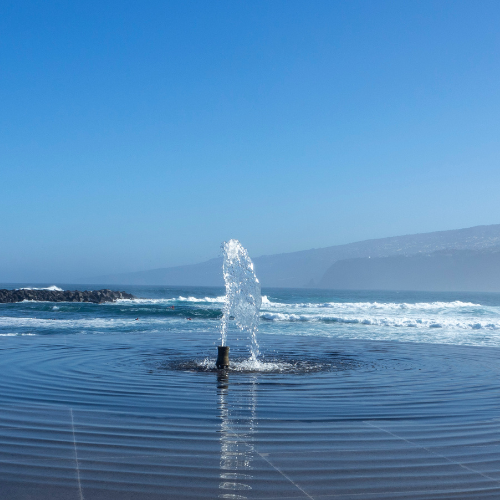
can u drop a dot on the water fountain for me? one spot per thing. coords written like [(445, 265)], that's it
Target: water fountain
[(243, 300)]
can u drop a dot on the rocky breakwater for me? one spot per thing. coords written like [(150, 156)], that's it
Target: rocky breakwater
[(94, 296)]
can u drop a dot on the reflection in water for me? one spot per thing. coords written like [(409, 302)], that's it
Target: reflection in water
[(237, 436)]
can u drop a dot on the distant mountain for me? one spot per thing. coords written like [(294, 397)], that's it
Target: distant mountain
[(307, 267), (207, 273), (444, 270)]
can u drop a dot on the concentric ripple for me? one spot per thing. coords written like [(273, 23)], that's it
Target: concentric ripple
[(135, 417)]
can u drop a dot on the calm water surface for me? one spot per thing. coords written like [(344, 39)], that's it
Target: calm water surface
[(358, 395)]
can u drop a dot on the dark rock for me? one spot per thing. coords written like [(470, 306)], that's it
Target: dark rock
[(94, 296)]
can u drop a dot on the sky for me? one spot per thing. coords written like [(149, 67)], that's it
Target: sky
[(138, 135)]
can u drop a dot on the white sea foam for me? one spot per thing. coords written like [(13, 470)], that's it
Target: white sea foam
[(462, 323), (52, 288), (210, 300), (194, 300), (7, 322), (344, 306), (390, 306), (17, 334)]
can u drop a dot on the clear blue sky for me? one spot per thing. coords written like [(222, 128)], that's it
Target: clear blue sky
[(137, 135)]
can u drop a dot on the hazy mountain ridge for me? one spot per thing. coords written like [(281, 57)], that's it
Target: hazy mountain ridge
[(471, 270), (308, 267), (208, 273)]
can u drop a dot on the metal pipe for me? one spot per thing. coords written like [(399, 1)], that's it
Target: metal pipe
[(222, 357)]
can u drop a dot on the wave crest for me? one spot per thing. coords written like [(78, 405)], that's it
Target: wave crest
[(390, 306), (52, 288), (391, 322)]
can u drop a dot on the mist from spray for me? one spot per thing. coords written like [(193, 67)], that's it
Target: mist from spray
[(243, 298)]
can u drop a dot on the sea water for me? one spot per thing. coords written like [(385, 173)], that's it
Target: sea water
[(357, 395), (441, 318)]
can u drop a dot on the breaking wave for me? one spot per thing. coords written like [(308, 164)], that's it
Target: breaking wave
[(341, 306), (52, 288), (379, 306), (391, 322), (170, 301)]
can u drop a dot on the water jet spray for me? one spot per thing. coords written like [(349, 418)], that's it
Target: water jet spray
[(242, 301)]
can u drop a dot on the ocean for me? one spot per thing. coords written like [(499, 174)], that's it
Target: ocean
[(354, 395)]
